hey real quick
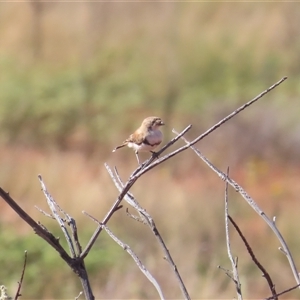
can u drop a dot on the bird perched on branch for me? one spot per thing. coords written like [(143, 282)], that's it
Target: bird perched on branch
[(146, 138)]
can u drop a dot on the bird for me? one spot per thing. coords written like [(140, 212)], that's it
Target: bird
[(146, 138)]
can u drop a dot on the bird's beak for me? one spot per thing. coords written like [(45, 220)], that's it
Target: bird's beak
[(161, 123)]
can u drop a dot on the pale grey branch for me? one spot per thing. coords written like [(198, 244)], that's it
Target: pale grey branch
[(254, 205), (138, 262), (235, 273)]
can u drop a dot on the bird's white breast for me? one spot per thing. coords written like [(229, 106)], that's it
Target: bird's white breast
[(154, 138)]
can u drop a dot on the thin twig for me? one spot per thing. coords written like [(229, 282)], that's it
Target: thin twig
[(283, 292), (136, 218), (22, 276), (44, 213), (259, 265), (53, 207), (77, 297), (227, 272), (142, 267), (235, 273)]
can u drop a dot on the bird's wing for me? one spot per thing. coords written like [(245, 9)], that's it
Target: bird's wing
[(137, 138)]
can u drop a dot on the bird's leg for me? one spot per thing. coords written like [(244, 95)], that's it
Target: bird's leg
[(137, 157)]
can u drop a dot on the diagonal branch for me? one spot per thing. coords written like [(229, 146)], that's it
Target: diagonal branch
[(39, 230), (142, 267), (213, 128), (254, 205), (259, 265), (129, 198), (283, 292)]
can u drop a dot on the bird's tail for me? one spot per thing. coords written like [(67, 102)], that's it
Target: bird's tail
[(118, 147)]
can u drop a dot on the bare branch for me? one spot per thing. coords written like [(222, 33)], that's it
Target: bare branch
[(136, 218), (259, 265), (38, 229), (44, 213), (133, 255), (129, 198), (22, 276), (235, 278), (77, 264), (254, 205), (53, 207), (213, 128), (283, 292), (77, 297), (227, 272)]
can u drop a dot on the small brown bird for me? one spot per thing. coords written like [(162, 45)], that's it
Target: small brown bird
[(146, 138)]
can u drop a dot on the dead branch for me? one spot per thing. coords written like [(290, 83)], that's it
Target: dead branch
[(235, 273), (75, 263), (147, 219), (22, 276), (78, 264), (283, 292), (213, 128), (255, 260), (125, 247), (254, 205), (38, 229)]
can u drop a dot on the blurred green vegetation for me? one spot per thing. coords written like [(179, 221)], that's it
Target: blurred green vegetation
[(44, 106), (193, 63)]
